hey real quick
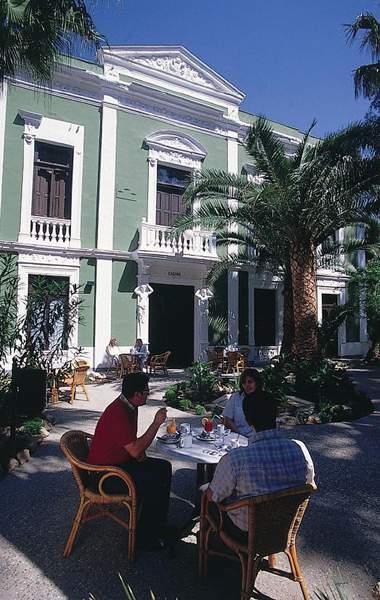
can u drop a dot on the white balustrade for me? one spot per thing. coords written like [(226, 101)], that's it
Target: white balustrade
[(45, 230), (163, 240)]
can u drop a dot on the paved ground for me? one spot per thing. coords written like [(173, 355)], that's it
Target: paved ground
[(339, 540)]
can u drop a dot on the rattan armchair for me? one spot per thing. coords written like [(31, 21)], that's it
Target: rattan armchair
[(128, 363), (273, 523), (158, 362), (95, 504), (78, 377)]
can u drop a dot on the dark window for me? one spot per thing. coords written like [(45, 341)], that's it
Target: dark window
[(171, 184), (265, 317), (47, 318), (243, 308), (52, 183)]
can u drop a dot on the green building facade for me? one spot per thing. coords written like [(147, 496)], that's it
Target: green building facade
[(91, 178)]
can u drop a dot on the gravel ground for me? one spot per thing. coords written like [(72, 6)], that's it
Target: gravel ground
[(339, 539)]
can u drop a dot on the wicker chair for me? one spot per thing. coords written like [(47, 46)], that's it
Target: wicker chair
[(234, 362), (78, 378), (158, 362), (127, 364), (214, 360), (273, 523), (74, 445)]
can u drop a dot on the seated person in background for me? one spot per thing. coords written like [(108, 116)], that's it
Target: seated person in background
[(250, 384), (269, 463), (113, 352), (116, 443), (141, 351)]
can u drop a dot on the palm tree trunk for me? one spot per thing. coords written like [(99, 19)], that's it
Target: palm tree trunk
[(288, 319), (304, 285)]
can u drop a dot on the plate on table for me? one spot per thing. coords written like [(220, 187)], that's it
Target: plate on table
[(206, 437), (169, 438)]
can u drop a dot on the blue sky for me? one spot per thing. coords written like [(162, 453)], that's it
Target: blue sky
[(289, 57)]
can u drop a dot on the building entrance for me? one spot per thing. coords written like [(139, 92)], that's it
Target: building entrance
[(329, 308), (171, 323)]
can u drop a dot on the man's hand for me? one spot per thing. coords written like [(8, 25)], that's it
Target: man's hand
[(160, 417)]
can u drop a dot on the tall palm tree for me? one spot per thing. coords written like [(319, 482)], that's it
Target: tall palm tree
[(33, 33), (299, 203), (367, 77)]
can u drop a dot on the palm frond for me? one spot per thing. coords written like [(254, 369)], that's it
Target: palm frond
[(367, 25), (268, 152)]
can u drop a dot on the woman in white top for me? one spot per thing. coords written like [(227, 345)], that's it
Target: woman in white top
[(234, 419)]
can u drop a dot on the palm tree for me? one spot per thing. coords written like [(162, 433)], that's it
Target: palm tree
[(34, 33), (367, 77), (297, 205)]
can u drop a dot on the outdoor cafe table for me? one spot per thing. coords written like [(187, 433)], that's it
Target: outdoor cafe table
[(204, 454)]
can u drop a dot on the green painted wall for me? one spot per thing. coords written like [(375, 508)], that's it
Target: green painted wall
[(131, 192), (123, 319), (86, 332), (54, 108)]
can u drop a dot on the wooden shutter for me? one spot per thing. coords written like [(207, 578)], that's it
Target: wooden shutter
[(41, 191)]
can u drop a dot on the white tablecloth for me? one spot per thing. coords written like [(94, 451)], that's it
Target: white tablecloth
[(200, 452)]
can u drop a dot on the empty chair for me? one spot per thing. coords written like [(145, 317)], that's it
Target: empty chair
[(95, 504), (127, 364), (273, 523), (78, 377), (158, 362)]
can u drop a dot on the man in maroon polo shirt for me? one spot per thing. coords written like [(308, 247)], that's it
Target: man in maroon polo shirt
[(116, 443)]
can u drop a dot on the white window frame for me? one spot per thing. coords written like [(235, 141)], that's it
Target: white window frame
[(42, 129), (39, 265), (170, 148)]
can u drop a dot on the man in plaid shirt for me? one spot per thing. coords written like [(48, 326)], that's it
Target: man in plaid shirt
[(269, 463)]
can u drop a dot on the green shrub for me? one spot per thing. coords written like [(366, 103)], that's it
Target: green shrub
[(33, 426), (171, 394), (201, 382), (199, 410), (184, 404)]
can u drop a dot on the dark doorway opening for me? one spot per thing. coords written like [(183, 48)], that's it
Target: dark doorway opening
[(171, 323), (329, 308), (265, 317)]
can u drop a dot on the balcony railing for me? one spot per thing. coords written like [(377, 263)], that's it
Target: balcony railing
[(46, 230), (160, 239)]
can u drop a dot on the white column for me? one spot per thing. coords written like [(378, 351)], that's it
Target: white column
[(342, 331), (3, 110), (107, 175), (363, 320), (27, 187), (152, 190), (103, 297), (233, 279)]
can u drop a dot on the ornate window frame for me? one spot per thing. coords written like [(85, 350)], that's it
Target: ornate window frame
[(173, 148), (40, 128), (51, 265)]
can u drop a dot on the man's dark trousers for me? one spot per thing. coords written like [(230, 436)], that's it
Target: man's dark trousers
[(152, 479)]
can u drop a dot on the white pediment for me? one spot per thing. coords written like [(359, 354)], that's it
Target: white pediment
[(173, 64), (173, 140)]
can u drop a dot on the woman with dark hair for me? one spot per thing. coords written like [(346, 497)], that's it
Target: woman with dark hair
[(250, 383)]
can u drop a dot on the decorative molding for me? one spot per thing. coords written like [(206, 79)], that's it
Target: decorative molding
[(163, 140), (174, 65), (176, 158), (48, 259), (31, 119)]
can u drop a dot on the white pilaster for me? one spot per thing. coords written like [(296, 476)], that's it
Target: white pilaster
[(342, 331), (233, 279), (363, 320), (103, 297), (27, 187), (3, 110), (107, 175), (152, 189)]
